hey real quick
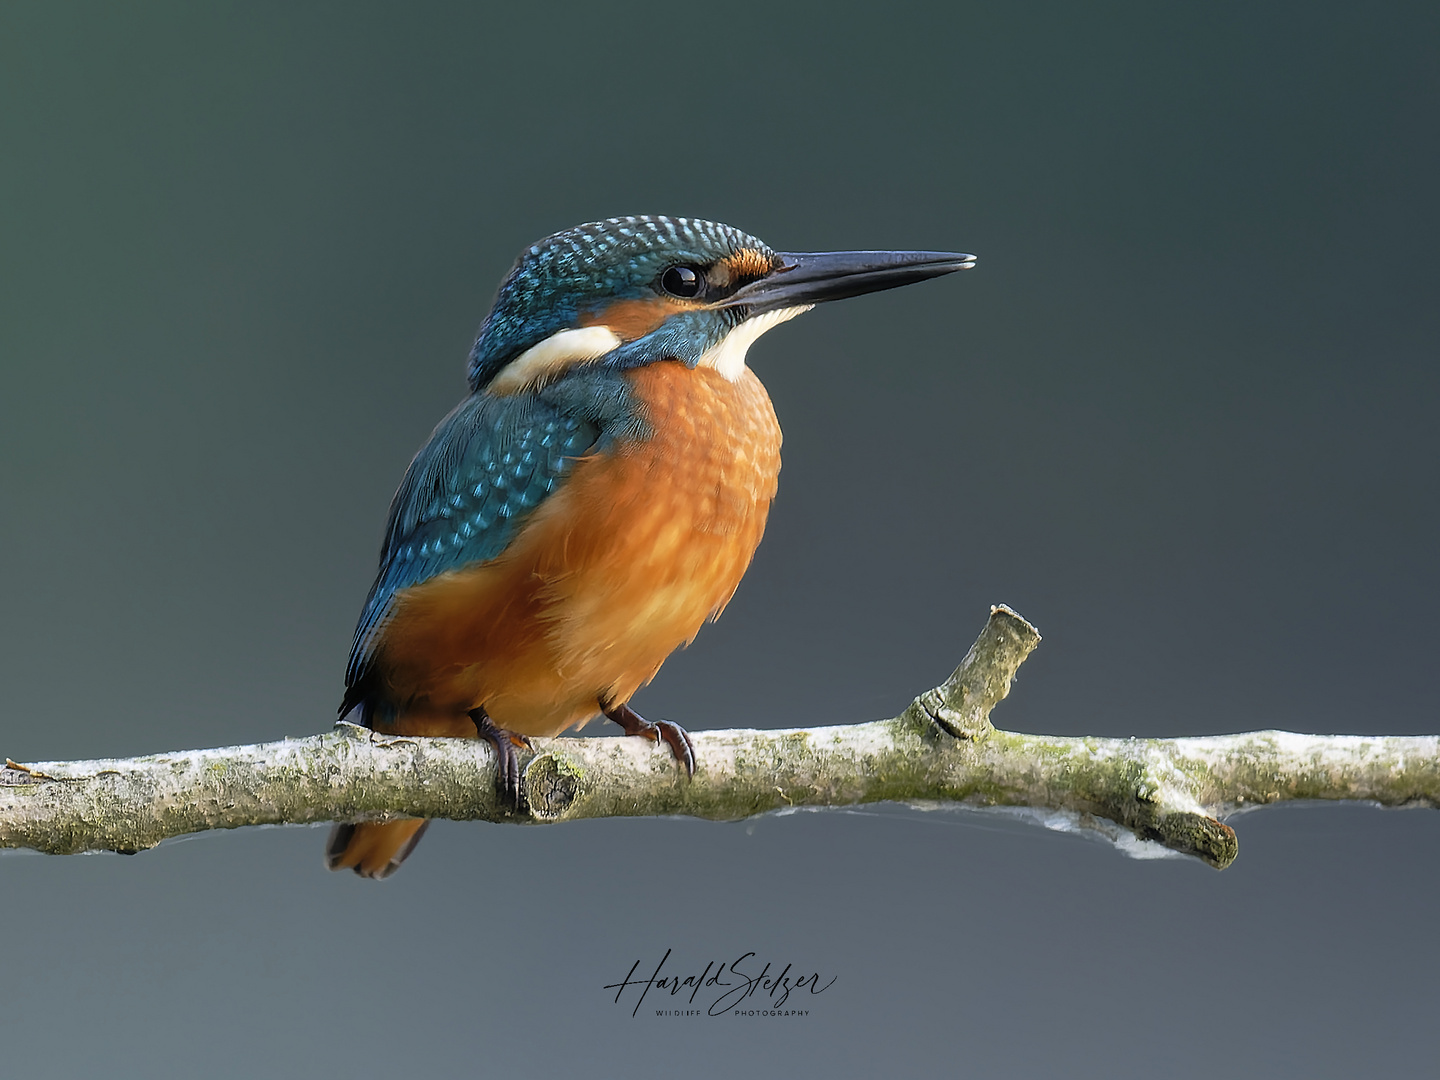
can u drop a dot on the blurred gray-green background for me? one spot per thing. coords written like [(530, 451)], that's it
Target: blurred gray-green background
[(1182, 416)]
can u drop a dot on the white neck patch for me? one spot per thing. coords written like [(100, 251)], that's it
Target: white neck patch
[(727, 356), (552, 357)]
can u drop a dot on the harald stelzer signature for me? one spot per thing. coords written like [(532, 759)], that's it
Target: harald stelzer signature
[(733, 984)]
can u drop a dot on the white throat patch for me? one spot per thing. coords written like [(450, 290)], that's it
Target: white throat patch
[(727, 356), (552, 357)]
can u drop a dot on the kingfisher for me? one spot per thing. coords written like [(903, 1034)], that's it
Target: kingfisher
[(594, 500)]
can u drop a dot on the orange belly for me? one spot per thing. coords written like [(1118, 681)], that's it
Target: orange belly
[(611, 574)]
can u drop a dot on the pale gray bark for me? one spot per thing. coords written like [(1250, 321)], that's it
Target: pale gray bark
[(941, 750)]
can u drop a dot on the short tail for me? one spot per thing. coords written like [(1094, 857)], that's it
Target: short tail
[(373, 849)]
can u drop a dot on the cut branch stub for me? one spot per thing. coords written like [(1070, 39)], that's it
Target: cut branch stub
[(961, 704), (552, 783), (1194, 834)]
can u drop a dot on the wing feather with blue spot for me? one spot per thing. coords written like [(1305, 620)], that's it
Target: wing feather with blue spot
[(487, 466)]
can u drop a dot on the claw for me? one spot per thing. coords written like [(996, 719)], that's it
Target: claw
[(676, 737), (507, 762), (680, 744)]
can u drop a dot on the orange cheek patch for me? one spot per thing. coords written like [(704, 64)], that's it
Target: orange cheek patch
[(631, 319), (749, 263)]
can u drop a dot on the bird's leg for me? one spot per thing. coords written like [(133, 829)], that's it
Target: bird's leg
[(507, 762), (635, 724)]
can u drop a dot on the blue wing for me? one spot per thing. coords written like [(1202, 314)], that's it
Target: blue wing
[(487, 466)]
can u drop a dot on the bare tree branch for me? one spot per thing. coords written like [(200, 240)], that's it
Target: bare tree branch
[(941, 750)]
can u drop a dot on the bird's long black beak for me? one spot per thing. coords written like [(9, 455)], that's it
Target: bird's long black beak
[(812, 277)]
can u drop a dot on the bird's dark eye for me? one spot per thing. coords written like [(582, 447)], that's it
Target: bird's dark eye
[(683, 281)]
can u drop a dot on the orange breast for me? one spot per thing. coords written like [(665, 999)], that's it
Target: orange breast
[(612, 573)]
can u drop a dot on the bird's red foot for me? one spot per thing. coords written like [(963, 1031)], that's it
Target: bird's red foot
[(635, 724), (507, 762)]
